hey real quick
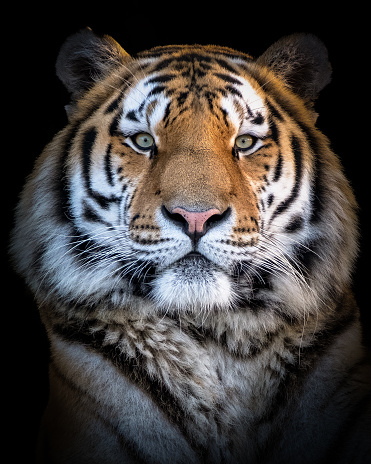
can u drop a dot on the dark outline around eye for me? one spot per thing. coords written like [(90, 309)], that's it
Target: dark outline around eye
[(152, 147), (255, 140)]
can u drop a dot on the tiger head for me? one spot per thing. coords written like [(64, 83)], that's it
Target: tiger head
[(189, 178)]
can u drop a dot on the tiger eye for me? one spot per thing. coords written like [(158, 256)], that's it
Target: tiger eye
[(144, 140), (244, 142)]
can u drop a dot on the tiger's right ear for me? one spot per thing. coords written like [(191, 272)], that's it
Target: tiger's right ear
[(85, 58)]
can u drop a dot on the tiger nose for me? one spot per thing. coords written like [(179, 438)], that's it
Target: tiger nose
[(195, 223)]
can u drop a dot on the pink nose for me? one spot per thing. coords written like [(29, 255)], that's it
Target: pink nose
[(196, 220)]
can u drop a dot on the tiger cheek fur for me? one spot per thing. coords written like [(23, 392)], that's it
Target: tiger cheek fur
[(190, 238)]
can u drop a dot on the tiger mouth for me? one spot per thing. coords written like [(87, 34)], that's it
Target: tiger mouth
[(194, 255), (192, 267), (194, 262)]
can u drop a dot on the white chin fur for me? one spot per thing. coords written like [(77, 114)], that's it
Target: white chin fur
[(192, 284)]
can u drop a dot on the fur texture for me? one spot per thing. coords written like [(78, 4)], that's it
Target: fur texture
[(236, 341)]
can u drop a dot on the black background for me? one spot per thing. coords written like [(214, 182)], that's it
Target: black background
[(36, 112)]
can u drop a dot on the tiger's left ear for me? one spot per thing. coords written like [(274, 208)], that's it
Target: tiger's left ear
[(301, 61)]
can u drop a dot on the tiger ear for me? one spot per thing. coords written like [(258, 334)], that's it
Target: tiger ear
[(86, 58), (301, 61)]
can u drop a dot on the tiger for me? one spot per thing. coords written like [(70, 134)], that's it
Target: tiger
[(190, 239)]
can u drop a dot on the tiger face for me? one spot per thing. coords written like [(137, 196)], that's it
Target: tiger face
[(204, 192), (187, 155), (189, 177)]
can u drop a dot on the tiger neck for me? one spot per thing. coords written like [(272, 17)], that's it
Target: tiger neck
[(215, 371)]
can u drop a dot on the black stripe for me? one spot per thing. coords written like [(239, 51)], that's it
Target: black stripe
[(254, 118), (62, 178), (274, 130), (296, 223), (163, 64), (90, 215), (224, 64), (87, 147), (182, 98), (114, 105), (142, 105), (258, 119), (194, 56), (156, 90), (297, 151), (225, 116), (228, 78), (291, 111), (317, 189), (278, 169), (160, 79), (108, 165), (132, 116), (125, 83), (167, 114), (274, 111), (233, 91), (114, 126), (275, 136)]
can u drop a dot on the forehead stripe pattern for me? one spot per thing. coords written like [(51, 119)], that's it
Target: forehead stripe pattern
[(229, 88)]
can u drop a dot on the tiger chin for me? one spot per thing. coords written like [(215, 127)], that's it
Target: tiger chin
[(190, 237)]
